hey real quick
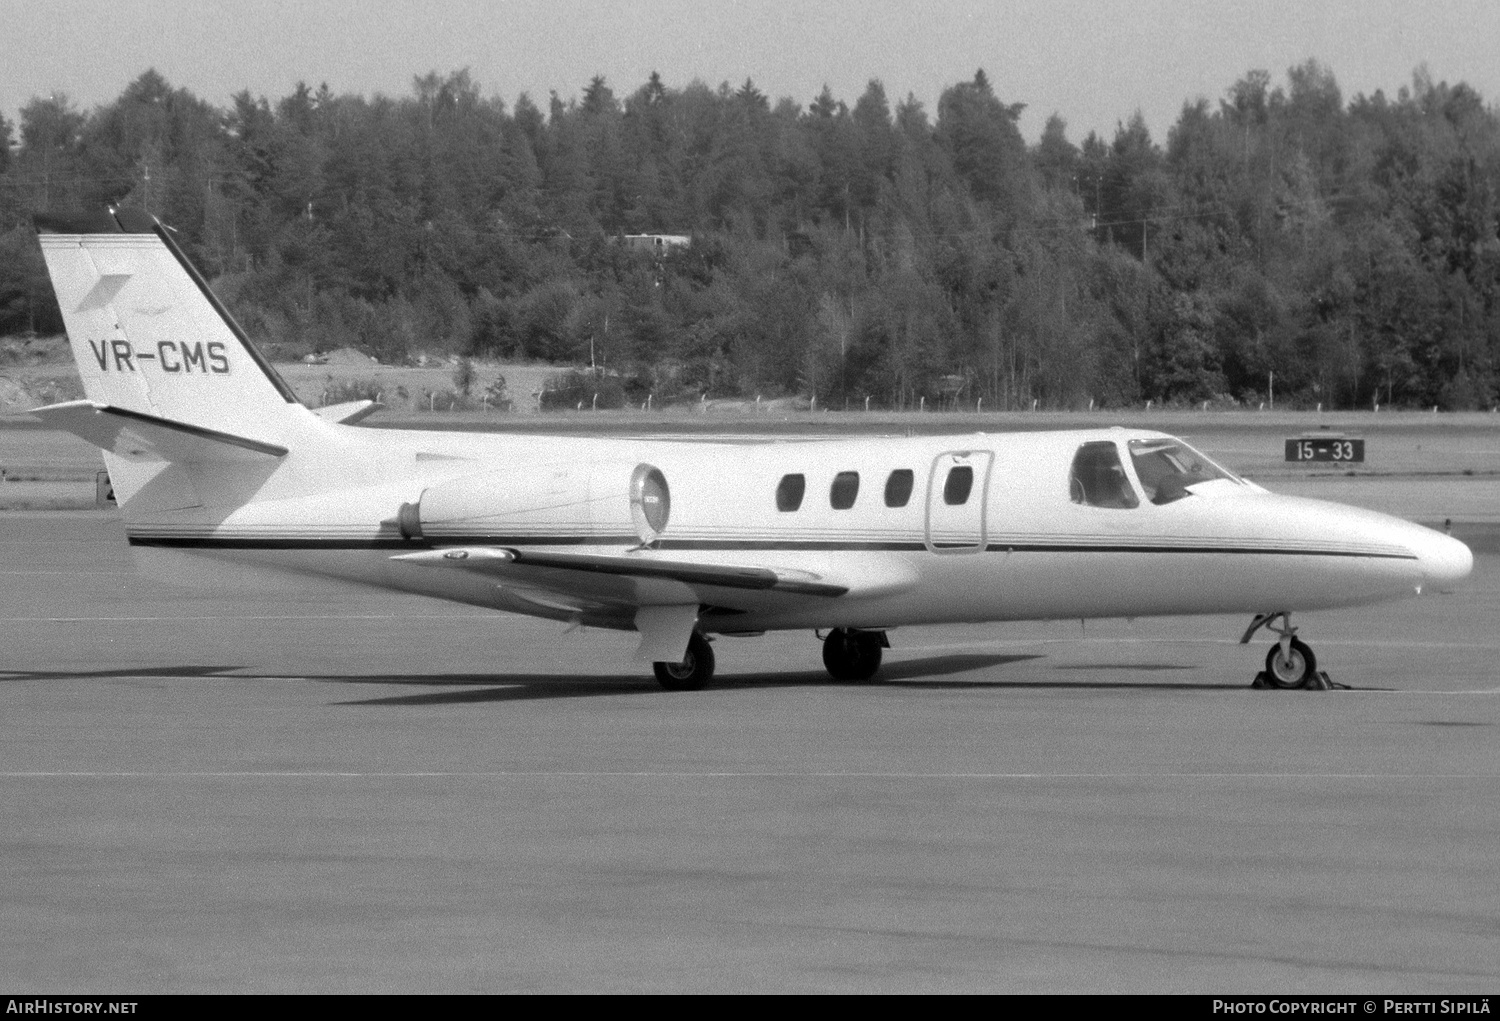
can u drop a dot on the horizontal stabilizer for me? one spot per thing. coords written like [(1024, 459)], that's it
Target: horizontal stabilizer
[(495, 560), (347, 413), (139, 437)]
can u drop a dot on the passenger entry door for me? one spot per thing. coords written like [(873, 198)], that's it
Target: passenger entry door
[(957, 494)]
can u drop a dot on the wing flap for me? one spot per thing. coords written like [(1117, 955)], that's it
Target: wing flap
[(140, 437)]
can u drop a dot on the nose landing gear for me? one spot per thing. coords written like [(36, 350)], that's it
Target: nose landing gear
[(1290, 663)]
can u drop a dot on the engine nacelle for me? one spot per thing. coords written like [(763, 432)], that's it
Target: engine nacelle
[(569, 502)]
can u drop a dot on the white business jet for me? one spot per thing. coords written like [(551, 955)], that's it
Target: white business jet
[(211, 453)]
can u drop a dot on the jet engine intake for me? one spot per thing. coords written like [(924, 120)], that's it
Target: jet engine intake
[(650, 502)]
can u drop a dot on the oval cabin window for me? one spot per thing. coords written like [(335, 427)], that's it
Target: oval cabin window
[(789, 492), (845, 489), (959, 484), (898, 487)]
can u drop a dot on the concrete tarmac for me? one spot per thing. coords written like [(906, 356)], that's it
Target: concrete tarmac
[(356, 791)]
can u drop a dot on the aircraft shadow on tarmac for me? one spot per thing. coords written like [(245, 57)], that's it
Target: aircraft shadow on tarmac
[(933, 672), (191, 670), (521, 687)]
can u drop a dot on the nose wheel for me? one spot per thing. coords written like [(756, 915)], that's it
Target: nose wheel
[(1290, 667), (1290, 663)]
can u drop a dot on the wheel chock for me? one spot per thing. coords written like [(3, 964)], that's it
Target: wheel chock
[(1320, 681)]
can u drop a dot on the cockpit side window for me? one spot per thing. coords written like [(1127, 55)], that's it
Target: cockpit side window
[(1099, 479), (1167, 467)]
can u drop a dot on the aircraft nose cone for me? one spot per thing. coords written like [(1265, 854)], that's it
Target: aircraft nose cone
[(1444, 559)]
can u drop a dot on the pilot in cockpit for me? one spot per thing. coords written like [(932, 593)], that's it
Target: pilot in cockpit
[(1099, 479)]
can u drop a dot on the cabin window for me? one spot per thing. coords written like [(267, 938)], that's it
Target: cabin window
[(1167, 467), (898, 487), (959, 484), (1098, 478), (845, 488), (789, 492)]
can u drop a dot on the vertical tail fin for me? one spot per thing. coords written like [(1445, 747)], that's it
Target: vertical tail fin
[(150, 337)]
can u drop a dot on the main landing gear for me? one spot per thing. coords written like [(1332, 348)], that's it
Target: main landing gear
[(1290, 663), (852, 655), (694, 672), (848, 653)]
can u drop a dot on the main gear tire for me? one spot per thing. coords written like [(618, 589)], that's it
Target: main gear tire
[(693, 673), (851, 655)]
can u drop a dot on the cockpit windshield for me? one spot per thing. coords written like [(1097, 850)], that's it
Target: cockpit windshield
[(1168, 467)]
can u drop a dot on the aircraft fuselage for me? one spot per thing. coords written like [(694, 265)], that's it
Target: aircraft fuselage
[(875, 514)]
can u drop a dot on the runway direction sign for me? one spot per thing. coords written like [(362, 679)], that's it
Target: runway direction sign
[(1326, 447)]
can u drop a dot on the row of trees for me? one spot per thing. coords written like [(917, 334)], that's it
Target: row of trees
[(1348, 250)]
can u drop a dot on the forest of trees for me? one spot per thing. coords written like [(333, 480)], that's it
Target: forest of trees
[(1350, 248)]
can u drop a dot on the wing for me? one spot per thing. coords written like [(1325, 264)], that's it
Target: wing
[(498, 560), (659, 594)]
